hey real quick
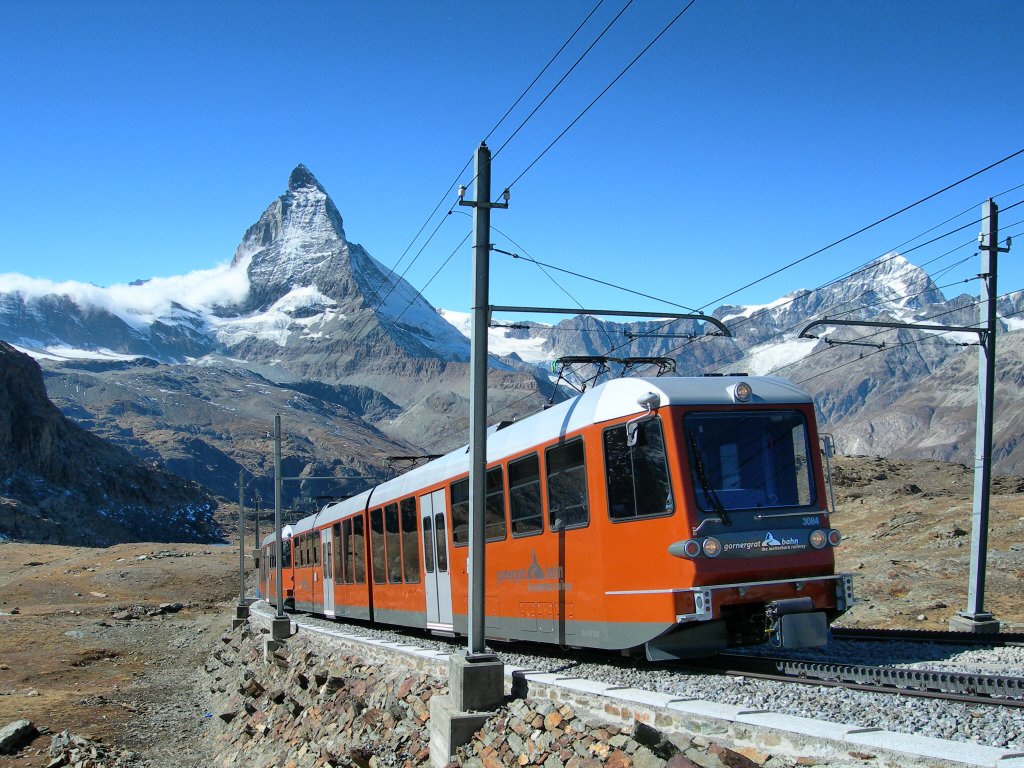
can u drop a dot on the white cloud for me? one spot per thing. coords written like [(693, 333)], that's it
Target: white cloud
[(139, 305)]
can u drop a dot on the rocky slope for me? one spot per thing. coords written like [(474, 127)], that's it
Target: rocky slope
[(60, 483)]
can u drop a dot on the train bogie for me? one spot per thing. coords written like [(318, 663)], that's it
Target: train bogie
[(668, 517)]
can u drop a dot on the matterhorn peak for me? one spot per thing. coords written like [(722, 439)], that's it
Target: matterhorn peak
[(302, 178)]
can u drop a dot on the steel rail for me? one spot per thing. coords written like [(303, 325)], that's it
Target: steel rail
[(997, 690), (929, 636)]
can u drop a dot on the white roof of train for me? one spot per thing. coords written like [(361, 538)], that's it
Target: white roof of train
[(613, 399)]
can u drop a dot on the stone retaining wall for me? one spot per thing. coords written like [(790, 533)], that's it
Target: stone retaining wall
[(313, 702)]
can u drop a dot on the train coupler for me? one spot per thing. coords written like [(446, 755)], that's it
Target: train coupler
[(793, 623)]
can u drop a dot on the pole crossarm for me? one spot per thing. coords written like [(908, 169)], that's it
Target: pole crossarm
[(616, 312), (885, 324)]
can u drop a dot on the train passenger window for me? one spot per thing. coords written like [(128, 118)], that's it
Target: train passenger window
[(314, 547), (286, 554), (346, 551), (394, 544), (460, 512), (567, 486), (326, 559), (524, 496), (428, 544), (339, 554), (359, 552), (494, 519), (410, 544), (442, 542), (637, 476), (377, 545)]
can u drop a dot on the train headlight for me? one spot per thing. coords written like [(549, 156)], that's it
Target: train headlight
[(817, 539), (742, 392), (691, 548), (835, 538), (712, 547)]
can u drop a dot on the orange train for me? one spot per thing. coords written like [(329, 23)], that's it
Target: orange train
[(664, 517)]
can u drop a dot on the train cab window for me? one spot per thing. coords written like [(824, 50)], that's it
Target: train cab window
[(524, 496), (494, 519), (286, 554), (637, 475), (749, 460), (410, 544), (358, 552), (377, 545), (392, 535), (567, 486), (460, 512)]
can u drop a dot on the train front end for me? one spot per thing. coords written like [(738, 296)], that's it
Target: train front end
[(756, 550)]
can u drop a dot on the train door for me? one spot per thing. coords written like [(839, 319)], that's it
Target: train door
[(437, 580), (327, 570)]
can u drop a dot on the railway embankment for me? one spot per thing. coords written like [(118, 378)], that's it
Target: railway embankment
[(307, 703), (317, 701)]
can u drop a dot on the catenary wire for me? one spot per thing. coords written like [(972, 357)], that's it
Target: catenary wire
[(866, 228), (454, 183), (562, 79), (602, 93)]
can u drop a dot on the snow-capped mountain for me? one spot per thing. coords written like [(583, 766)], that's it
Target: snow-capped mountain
[(294, 280), (305, 319)]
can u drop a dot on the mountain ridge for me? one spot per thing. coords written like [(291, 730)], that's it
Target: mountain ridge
[(304, 310)]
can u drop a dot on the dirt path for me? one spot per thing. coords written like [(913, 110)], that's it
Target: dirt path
[(85, 645)]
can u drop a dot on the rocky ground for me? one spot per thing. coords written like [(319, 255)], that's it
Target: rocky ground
[(105, 643)]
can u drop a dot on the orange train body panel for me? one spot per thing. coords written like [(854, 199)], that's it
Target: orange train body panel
[(693, 525)]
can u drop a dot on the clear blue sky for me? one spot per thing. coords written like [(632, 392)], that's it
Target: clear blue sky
[(141, 139)]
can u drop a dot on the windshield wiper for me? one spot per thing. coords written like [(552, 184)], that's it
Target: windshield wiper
[(698, 464)]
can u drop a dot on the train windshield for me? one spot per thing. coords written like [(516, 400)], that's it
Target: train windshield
[(749, 460)]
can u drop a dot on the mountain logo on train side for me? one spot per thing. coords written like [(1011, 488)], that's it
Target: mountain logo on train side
[(537, 577)]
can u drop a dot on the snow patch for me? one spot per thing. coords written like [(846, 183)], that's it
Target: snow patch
[(765, 358)]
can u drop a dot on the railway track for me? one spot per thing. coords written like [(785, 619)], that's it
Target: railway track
[(997, 690), (995, 640)]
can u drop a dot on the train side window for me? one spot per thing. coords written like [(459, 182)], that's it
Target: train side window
[(314, 547), (377, 545), (359, 551), (460, 512), (410, 543), (428, 544), (339, 554), (286, 554), (567, 486), (494, 519), (346, 551), (442, 542), (524, 496), (637, 476), (394, 544)]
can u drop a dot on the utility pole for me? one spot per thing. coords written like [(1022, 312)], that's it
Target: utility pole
[(476, 678), (242, 610), (478, 391), (281, 626), (257, 521), (976, 618)]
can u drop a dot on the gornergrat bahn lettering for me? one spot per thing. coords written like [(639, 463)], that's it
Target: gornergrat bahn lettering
[(666, 517)]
